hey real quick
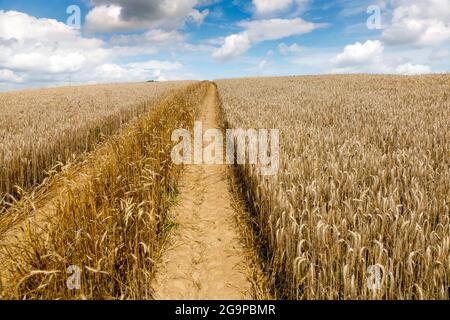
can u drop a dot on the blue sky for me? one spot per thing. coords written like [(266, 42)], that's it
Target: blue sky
[(137, 40)]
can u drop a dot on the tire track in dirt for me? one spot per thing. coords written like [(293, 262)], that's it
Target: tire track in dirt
[(205, 259)]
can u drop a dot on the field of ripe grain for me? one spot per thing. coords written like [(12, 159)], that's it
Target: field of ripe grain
[(364, 181), (363, 185), (106, 216), (39, 128)]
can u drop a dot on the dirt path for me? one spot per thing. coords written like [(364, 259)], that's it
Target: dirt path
[(205, 259)]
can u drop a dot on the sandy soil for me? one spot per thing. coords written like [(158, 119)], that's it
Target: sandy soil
[(204, 259)]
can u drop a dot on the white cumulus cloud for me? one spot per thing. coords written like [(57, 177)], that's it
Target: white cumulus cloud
[(256, 31), (139, 71), (360, 54), (270, 7), (233, 46), (48, 46), (370, 57), (419, 22), (413, 69), (9, 76), (38, 51)]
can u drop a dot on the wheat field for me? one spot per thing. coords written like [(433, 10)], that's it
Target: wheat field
[(40, 128), (108, 214), (364, 181)]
